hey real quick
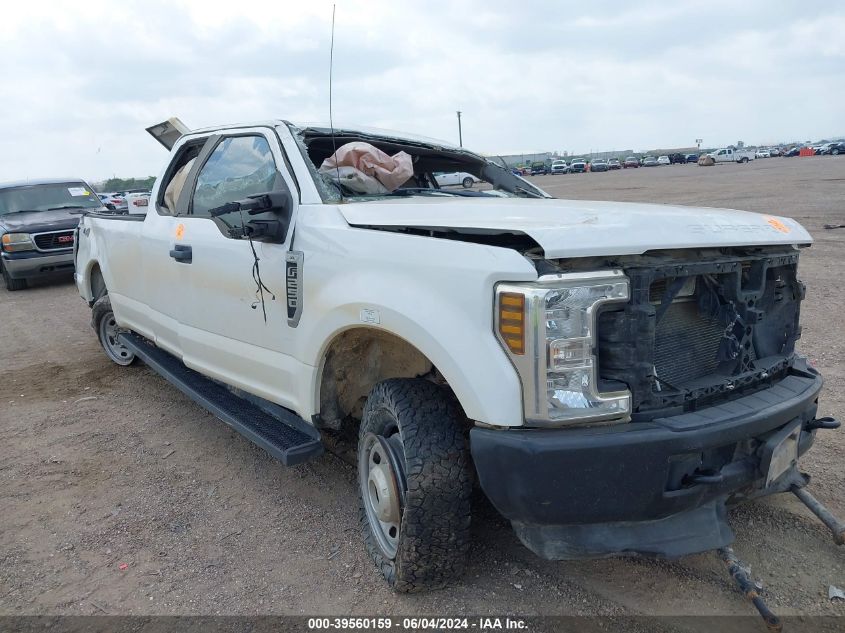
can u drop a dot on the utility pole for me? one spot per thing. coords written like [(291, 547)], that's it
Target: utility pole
[(460, 136)]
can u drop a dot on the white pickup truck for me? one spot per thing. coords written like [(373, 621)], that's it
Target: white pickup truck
[(611, 374), (732, 155)]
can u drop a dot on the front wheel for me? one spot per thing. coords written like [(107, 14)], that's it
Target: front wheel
[(415, 482), (12, 284), (103, 321), (467, 183)]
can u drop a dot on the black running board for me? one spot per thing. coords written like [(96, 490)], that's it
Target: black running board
[(277, 430)]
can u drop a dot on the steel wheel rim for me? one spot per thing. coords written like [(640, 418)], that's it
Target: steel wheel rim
[(109, 333), (382, 489)]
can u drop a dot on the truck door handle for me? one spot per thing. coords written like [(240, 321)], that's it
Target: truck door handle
[(182, 253)]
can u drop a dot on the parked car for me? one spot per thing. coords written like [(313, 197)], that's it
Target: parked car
[(837, 148), (577, 166), (732, 155), (794, 151), (663, 160), (598, 164), (37, 223), (116, 201), (137, 202), (458, 343), (631, 161), (539, 168), (774, 151), (614, 163), (650, 161), (692, 158), (827, 148), (559, 167), (762, 153), (452, 178)]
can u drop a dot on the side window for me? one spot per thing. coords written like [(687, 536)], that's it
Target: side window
[(239, 166), (174, 179)]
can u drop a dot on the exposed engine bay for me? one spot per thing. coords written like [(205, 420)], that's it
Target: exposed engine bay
[(702, 326)]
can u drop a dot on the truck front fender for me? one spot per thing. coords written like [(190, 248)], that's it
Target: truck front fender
[(435, 294)]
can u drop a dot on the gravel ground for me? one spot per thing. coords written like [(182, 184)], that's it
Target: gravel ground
[(105, 467)]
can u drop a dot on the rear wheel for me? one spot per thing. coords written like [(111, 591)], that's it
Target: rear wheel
[(414, 484), (835, 151), (467, 182), (744, 159), (103, 321)]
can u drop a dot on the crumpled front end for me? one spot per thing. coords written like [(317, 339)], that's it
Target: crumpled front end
[(718, 407), (657, 488)]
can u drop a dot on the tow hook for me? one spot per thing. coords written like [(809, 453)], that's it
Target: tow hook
[(828, 424), (836, 526), (740, 573)]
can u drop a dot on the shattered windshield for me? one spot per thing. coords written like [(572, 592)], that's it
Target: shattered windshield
[(357, 166)]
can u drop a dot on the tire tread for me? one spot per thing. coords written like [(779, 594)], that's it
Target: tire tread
[(434, 534)]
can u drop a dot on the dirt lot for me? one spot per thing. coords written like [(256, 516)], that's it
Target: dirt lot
[(103, 466)]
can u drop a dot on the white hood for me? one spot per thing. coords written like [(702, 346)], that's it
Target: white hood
[(579, 228)]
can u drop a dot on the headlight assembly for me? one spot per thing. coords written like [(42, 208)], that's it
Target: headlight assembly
[(548, 328), (14, 242)]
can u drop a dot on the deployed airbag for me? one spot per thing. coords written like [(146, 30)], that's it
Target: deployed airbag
[(364, 168)]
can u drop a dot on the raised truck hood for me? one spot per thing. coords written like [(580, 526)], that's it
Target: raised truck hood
[(580, 228)]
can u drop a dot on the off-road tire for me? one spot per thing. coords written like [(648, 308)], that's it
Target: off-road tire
[(101, 312), (12, 284), (433, 537)]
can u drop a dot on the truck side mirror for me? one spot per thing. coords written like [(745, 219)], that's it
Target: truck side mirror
[(280, 203)]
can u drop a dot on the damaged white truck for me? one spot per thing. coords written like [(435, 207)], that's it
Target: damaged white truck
[(612, 375)]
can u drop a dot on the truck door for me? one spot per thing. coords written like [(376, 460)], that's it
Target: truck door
[(234, 326), (163, 263)]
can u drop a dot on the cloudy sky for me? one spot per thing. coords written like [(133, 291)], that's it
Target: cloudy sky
[(83, 79)]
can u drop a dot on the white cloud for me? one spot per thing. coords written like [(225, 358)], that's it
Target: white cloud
[(82, 80)]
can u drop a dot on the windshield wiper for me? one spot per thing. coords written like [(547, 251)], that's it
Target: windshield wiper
[(411, 191), (23, 211), (67, 206)]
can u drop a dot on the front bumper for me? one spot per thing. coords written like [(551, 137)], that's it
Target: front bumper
[(31, 264), (634, 488)]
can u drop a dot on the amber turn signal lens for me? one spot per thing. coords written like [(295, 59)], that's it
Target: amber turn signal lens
[(512, 321)]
